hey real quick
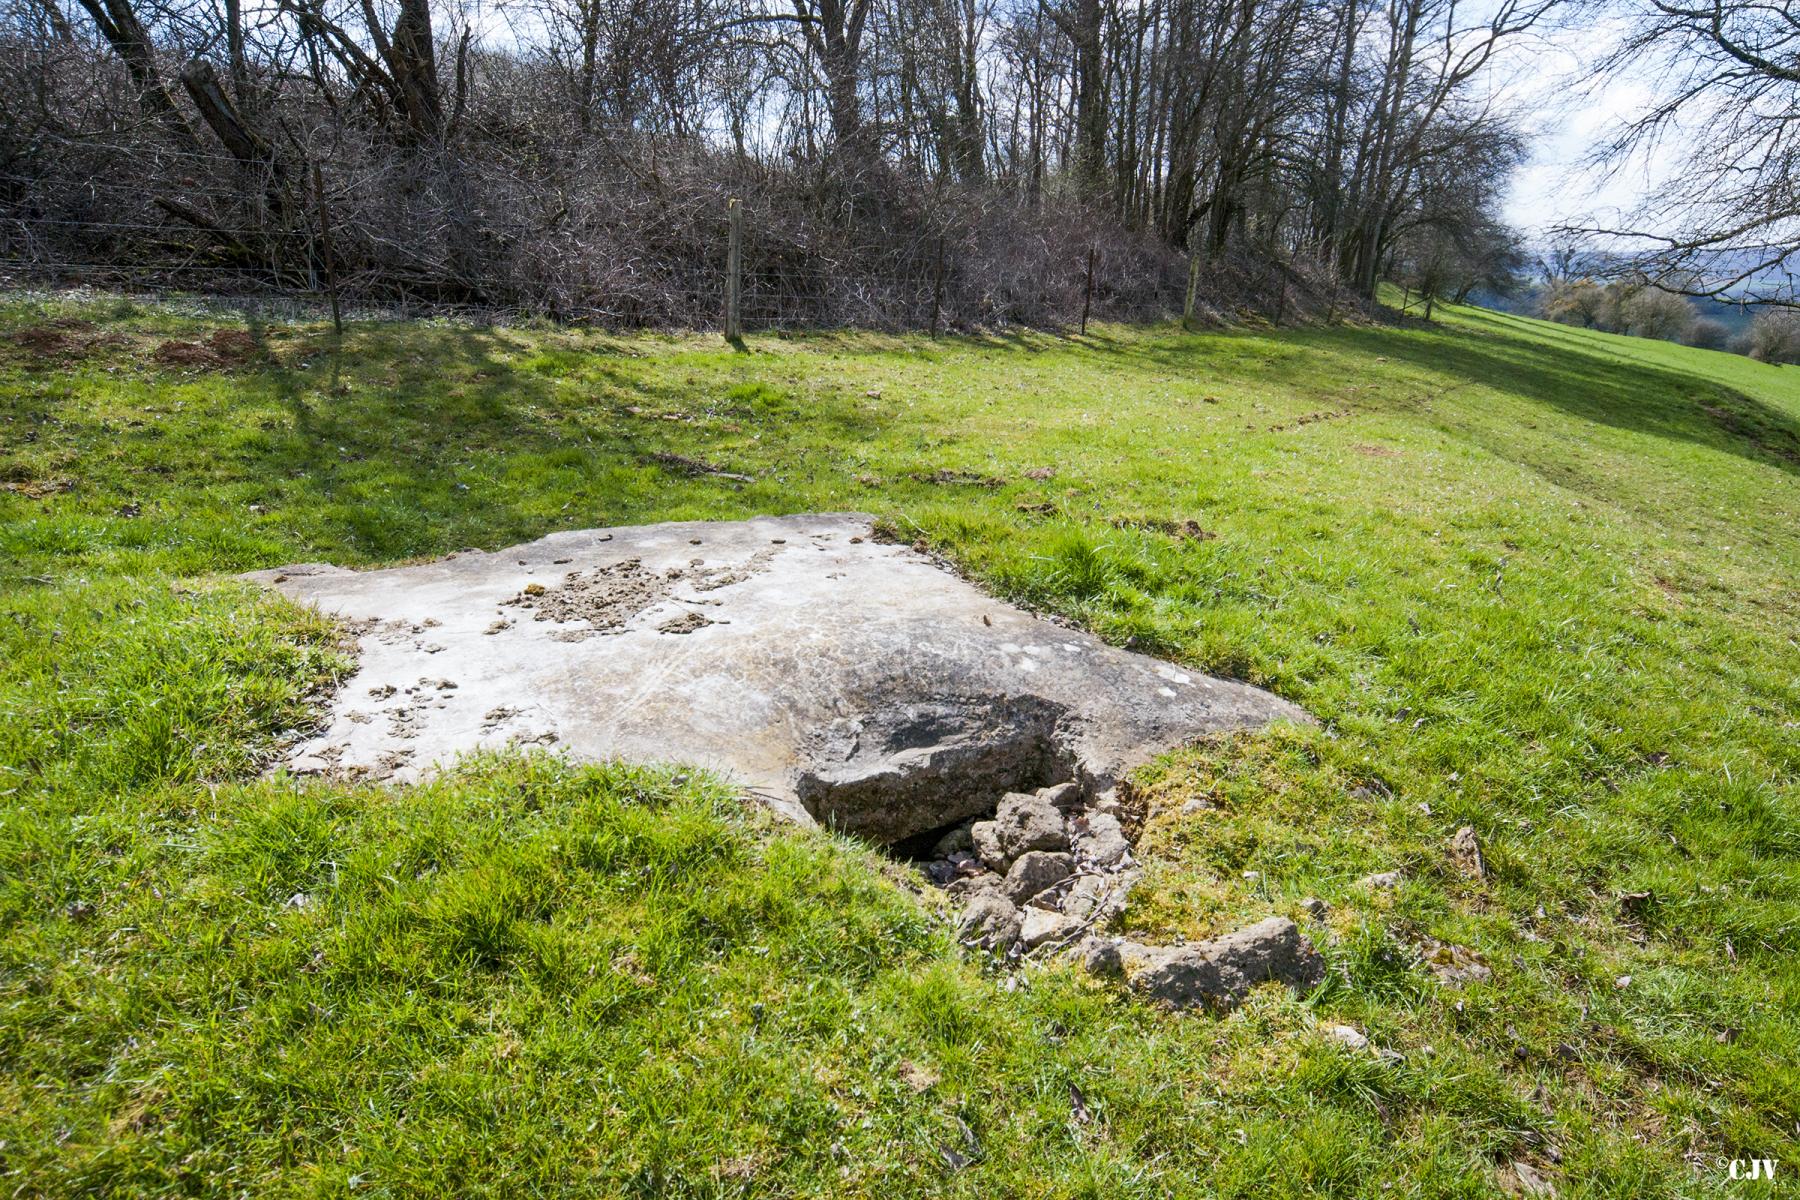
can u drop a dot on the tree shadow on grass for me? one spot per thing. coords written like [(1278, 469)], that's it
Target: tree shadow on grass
[(1593, 384), (1575, 377), (480, 441)]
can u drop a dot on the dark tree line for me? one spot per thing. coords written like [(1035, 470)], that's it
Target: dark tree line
[(573, 156)]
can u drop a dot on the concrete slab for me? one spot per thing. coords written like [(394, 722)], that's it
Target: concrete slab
[(840, 678)]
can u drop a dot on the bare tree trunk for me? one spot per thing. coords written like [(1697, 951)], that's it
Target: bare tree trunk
[(120, 26)]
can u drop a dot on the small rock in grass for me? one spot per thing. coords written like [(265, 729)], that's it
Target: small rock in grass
[(1465, 848), (1270, 949), (1316, 908), (1174, 976), (1040, 925), (1344, 1035), (1220, 973), (1104, 842), (1527, 1180), (1453, 965), (1024, 823), (990, 921), (1100, 956), (917, 1078), (1035, 872)]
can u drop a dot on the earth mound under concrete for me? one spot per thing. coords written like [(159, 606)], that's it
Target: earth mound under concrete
[(843, 679)]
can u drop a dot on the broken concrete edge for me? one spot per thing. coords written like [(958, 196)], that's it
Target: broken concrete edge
[(1007, 920)]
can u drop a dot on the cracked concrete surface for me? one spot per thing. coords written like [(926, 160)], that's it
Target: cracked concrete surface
[(838, 677)]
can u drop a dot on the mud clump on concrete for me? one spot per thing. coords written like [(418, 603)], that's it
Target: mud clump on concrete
[(607, 597), (711, 579)]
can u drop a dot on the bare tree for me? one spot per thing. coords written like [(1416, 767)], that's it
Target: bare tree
[(1728, 223), (959, 156)]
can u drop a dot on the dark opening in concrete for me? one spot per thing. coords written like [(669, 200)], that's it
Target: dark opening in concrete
[(922, 848)]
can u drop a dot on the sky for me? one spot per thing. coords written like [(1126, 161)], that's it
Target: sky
[(1569, 113)]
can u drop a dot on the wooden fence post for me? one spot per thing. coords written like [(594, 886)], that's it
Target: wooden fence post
[(1193, 289), (734, 268), (337, 315), (1087, 295), (937, 289)]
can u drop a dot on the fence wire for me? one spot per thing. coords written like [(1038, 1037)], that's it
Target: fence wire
[(444, 236)]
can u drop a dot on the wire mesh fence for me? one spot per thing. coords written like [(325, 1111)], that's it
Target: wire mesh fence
[(560, 240)]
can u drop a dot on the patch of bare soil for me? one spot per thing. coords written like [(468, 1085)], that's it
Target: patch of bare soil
[(45, 341), (698, 466), (221, 350), (945, 476), (37, 489), (1187, 530), (66, 338), (1311, 418)]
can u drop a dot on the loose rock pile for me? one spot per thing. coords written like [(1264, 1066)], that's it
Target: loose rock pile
[(1038, 874), (1047, 870), (1216, 974)]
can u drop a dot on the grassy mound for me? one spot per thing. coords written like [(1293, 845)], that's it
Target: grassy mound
[(1534, 580)]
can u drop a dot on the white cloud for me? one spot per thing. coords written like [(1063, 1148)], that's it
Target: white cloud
[(1569, 113)]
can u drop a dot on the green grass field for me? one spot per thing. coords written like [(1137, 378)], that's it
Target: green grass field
[(1535, 580)]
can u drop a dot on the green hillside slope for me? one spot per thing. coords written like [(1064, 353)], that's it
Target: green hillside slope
[(1535, 580)]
